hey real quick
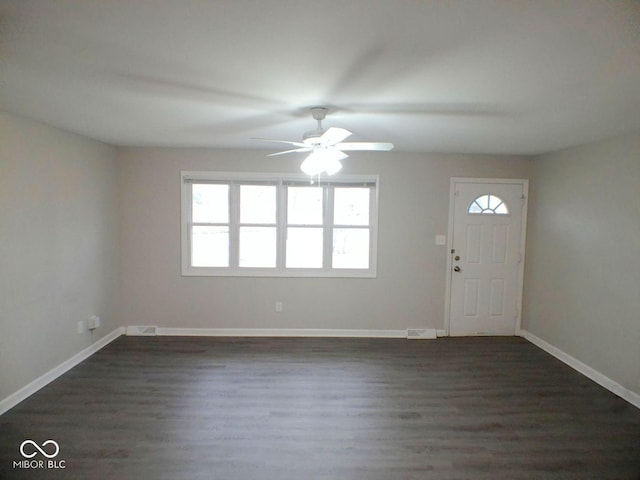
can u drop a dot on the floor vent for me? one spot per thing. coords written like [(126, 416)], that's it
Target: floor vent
[(421, 333), (141, 330)]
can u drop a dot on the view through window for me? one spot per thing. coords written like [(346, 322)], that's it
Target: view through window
[(278, 225)]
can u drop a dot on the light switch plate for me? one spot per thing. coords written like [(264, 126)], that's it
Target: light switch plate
[(441, 240)]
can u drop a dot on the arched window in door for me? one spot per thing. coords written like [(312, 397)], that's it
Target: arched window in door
[(488, 205)]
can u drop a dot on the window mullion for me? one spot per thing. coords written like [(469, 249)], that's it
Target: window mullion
[(234, 225), (281, 226), (327, 223), (189, 218), (373, 226)]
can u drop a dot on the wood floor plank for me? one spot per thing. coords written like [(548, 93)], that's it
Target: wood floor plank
[(313, 408)]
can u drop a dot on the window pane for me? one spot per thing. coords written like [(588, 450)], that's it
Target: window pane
[(304, 205), (210, 247), (475, 208), (494, 202), (210, 203), (483, 201), (304, 247), (351, 248), (502, 209), (258, 247), (351, 206), (258, 204)]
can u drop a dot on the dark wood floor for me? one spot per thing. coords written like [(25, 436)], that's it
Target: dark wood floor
[(293, 408)]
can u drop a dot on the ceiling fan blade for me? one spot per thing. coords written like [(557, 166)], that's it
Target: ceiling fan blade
[(303, 149), (381, 146), (334, 135), (295, 144)]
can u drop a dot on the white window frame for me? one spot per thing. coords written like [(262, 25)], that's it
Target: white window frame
[(281, 180)]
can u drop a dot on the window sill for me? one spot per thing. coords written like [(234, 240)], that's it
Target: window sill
[(264, 272)]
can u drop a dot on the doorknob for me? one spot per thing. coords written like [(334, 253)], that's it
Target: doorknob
[(457, 269)]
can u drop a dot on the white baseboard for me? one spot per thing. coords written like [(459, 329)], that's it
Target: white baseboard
[(601, 379), (280, 332), (32, 387)]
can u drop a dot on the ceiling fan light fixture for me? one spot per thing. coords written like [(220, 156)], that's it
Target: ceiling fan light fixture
[(323, 160), (332, 166), (312, 165)]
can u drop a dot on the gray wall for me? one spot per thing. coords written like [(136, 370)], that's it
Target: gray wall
[(582, 282), (408, 292), (86, 228), (58, 246)]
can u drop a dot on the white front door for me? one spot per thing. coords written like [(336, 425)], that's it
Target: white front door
[(487, 255)]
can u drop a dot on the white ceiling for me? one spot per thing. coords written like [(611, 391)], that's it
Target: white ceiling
[(481, 76)]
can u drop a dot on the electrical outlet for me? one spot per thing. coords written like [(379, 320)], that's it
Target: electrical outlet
[(93, 322), (279, 307), (81, 326)]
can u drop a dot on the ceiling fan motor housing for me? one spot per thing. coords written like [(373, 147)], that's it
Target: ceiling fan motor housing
[(319, 113), (312, 137)]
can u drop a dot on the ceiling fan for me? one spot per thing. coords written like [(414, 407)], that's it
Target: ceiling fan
[(326, 147)]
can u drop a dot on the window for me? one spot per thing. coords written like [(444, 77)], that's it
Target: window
[(210, 225), (488, 205), (278, 225), (257, 236)]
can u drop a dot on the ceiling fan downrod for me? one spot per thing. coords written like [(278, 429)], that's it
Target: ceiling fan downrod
[(311, 137)]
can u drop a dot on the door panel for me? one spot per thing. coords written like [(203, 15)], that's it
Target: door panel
[(500, 243), (474, 243), (471, 290), (486, 257), (496, 298)]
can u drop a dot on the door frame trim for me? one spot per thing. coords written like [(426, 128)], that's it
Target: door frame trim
[(523, 241)]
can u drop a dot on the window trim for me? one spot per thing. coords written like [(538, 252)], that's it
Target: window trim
[(280, 180)]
